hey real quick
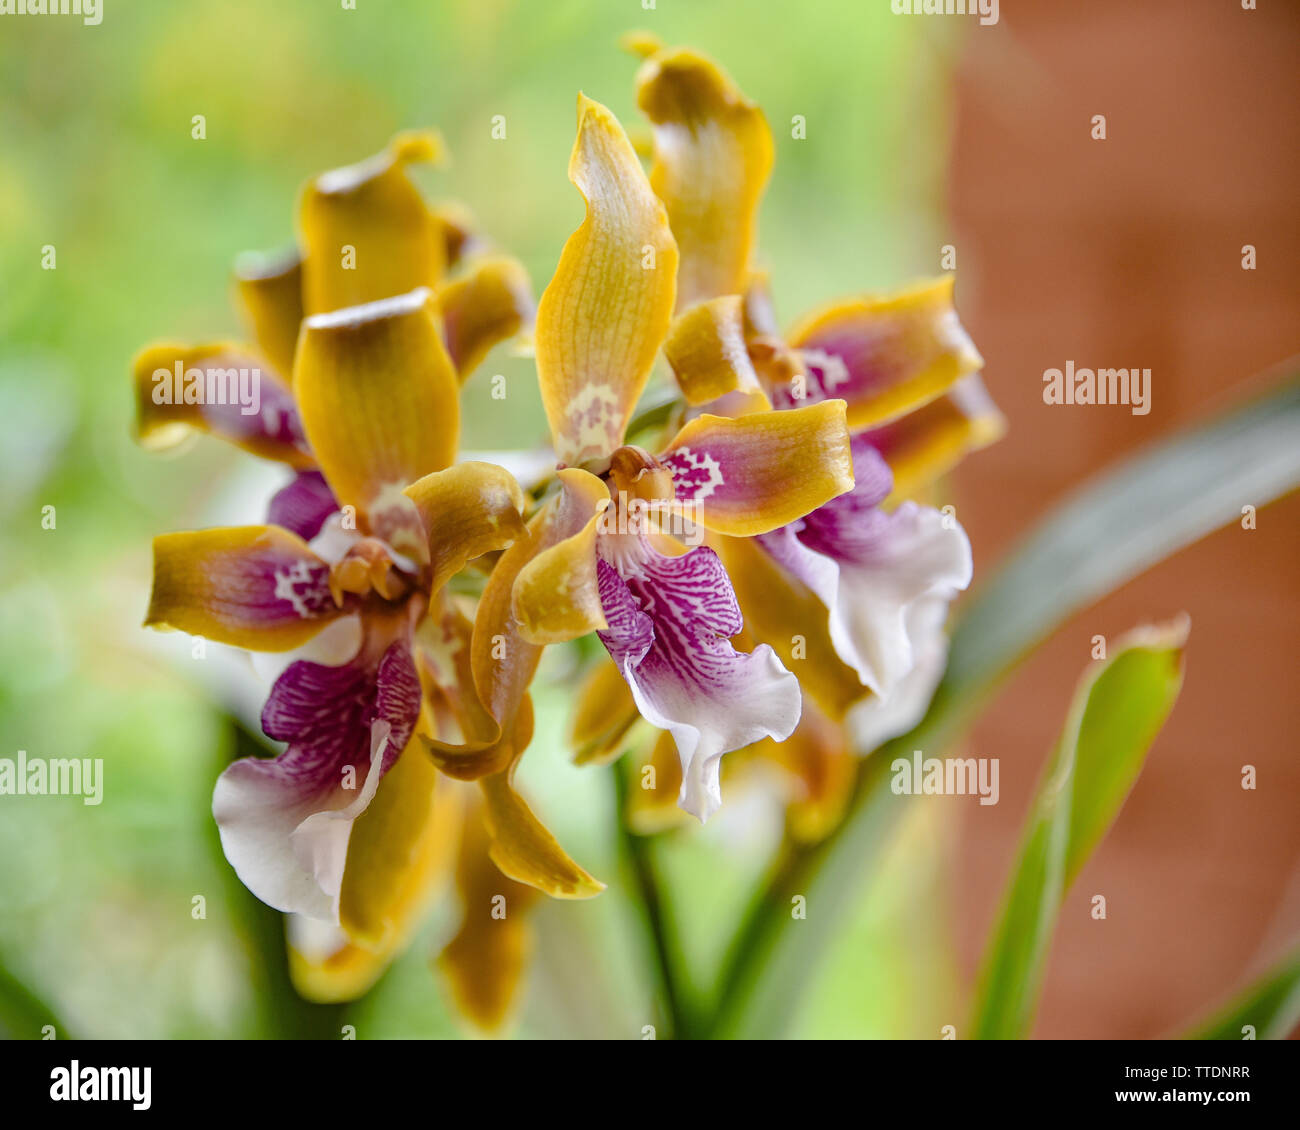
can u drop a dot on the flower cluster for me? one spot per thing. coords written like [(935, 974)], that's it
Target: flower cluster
[(758, 524)]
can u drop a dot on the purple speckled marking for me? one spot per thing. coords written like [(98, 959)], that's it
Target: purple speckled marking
[(325, 714), (674, 621)]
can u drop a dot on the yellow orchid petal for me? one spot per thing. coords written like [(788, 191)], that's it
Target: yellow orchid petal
[(502, 662), (709, 356), (640, 43), (605, 312), (713, 156), (760, 313), (255, 587), (400, 853), (485, 962), (604, 714), (555, 597), (489, 304), (750, 475), (652, 802), (887, 355), (452, 715), (783, 612), (345, 974), (380, 405), (927, 443), (524, 850), (822, 771), (458, 230), (469, 739), (367, 230), (467, 510), (270, 291), (221, 389), (400, 847)]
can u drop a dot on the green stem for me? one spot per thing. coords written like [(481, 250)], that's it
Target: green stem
[(638, 857), (795, 872)]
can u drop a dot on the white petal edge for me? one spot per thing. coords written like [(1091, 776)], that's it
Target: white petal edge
[(874, 720), (290, 849), (770, 707), (926, 557)]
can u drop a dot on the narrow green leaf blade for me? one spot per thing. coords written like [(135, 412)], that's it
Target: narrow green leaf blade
[(1269, 1009), (1119, 708)]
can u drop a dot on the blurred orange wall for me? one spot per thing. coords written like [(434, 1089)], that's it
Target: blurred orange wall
[(1127, 252)]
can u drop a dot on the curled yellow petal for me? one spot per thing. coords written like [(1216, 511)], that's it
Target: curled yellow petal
[(467, 510), (789, 616), (270, 291), (604, 714), (752, 474), (486, 960), (604, 314), (709, 356), (929, 442), (489, 304), (504, 660), (821, 771), (713, 156), (400, 853), (555, 597), (367, 231), (255, 587), (399, 849), (501, 661), (888, 354), (524, 850), (652, 804), (341, 974), (221, 389), (380, 403), (640, 43), (452, 717), (458, 230)]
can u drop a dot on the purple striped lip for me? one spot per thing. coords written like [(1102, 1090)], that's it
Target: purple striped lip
[(670, 621)]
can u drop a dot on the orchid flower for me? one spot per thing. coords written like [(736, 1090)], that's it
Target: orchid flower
[(344, 590), (666, 613), (312, 830), (367, 234), (857, 590)]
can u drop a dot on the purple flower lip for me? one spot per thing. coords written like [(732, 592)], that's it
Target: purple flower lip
[(345, 727), (670, 622)]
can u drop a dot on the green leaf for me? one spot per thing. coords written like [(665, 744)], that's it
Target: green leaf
[(1118, 709), (1271, 1007), (23, 1015), (1144, 509)]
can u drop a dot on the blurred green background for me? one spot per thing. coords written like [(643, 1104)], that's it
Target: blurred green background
[(99, 162)]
